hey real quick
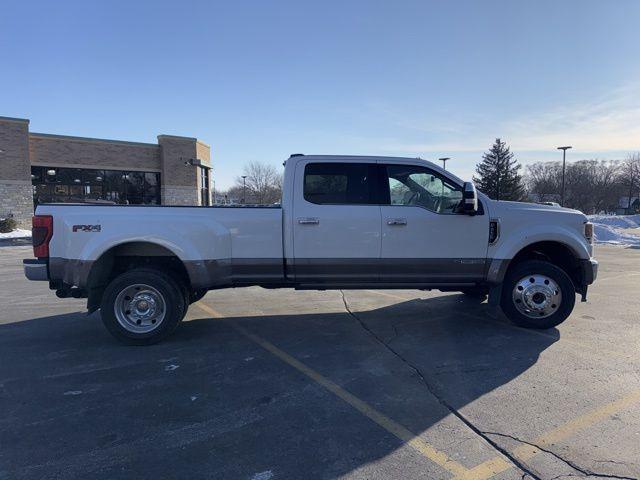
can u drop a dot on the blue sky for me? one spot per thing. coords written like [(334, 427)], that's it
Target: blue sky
[(258, 80)]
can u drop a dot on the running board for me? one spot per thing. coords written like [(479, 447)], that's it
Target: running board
[(381, 286)]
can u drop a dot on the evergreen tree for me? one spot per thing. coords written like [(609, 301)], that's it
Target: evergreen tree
[(498, 174)]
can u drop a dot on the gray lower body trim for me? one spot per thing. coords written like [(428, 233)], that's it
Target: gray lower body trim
[(390, 270), (445, 287), (70, 271), (217, 273), (320, 270), (311, 271), (433, 270), (202, 273), (497, 270)]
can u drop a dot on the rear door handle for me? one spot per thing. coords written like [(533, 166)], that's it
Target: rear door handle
[(309, 221), (396, 221)]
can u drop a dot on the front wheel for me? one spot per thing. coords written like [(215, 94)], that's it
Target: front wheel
[(537, 294), (142, 306)]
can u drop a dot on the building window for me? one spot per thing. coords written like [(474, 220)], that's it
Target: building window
[(76, 185), (204, 187)]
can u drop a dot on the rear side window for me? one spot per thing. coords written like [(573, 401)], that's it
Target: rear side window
[(340, 183)]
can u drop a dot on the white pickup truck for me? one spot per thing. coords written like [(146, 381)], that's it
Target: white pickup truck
[(344, 222)]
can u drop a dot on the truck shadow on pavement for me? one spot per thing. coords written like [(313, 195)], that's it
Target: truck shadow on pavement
[(211, 402)]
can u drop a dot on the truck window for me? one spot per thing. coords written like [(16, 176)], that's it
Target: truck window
[(418, 186), (340, 183)]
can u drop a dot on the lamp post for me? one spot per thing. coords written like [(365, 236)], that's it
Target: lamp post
[(444, 162), (244, 189), (564, 158)]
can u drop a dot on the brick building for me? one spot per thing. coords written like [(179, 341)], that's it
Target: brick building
[(38, 167)]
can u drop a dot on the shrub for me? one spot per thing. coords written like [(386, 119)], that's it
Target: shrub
[(7, 225)]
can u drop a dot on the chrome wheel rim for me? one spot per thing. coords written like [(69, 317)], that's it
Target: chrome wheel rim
[(537, 296), (140, 308)]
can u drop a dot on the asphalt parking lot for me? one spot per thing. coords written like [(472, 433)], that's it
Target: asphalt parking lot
[(260, 384)]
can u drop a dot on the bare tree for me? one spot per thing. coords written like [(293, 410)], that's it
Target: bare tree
[(630, 176), (590, 185), (262, 185), (543, 181), (606, 186)]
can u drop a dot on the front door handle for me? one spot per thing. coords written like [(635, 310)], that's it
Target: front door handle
[(309, 221), (396, 221)]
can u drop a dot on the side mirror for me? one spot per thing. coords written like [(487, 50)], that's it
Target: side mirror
[(469, 199)]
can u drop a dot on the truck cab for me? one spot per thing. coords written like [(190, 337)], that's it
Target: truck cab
[(382, 221)]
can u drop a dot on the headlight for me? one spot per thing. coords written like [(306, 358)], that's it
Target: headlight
[(588, 232)]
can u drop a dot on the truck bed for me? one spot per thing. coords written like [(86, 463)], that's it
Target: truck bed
[(217, 245)]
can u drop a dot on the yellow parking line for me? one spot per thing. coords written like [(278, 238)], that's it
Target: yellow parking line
[(391, 426), (486, 469), (527, 452)]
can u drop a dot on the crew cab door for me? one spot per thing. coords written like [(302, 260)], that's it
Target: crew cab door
[(336, 222), (424, 238)]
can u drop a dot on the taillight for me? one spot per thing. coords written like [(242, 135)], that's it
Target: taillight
[(41, 234)]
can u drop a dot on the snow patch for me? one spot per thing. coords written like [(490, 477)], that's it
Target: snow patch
[(621, 230), (620, 221), (18, 233)]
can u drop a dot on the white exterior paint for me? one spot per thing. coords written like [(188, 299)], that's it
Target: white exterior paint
[(429, 234), (522, 224), (342, 231), (190, 233)]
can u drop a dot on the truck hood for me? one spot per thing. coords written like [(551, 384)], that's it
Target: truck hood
[(554, 214)]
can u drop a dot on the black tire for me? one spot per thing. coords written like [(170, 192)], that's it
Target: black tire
[(185, 298), (196, 295), (533, 269), (165, 290)]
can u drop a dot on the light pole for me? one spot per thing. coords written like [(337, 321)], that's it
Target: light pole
[(564, 158), (244, 189), (444, 162)]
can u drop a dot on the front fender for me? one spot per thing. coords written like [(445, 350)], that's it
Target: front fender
[(510, 245)]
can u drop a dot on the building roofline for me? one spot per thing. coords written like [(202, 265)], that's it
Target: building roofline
[(177, 136), (91, 139), (14, 119)]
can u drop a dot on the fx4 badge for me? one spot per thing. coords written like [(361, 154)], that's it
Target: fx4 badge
[(87, 228)]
